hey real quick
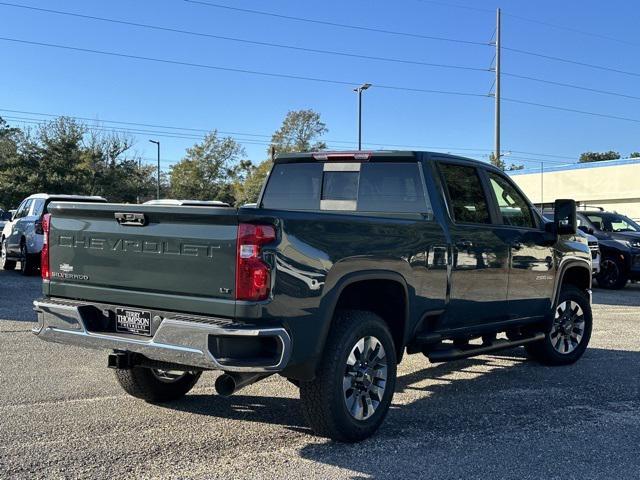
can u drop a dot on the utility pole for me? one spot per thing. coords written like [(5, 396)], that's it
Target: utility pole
[(497, 94), (158, 185)]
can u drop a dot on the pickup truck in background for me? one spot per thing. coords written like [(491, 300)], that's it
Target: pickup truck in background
[(347, 262)]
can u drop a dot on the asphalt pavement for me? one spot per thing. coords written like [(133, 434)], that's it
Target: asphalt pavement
[(62, 414)]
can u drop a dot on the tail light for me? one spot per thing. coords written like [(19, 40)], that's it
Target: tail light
[(44, 255), (253, 275)]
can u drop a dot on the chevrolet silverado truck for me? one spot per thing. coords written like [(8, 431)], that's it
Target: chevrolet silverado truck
[(347, 262)]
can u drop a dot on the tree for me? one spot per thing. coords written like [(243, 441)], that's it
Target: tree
[(66, 156), (501, 164), (634, 155), (587, 157), (209, 170), (301, 131), (249, 190), (496, 162)]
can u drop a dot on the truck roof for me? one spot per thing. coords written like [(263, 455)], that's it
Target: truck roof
[(356, 155)]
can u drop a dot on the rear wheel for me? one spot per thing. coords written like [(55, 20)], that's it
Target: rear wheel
[(350, 397), (612, 274), (27, 261), (5, 263), (155, 385), (570, 332)]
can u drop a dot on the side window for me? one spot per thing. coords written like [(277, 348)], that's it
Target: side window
[(294, 186), (514, 208), (391, 187), (468, 203), (38, 207), (23, 209)]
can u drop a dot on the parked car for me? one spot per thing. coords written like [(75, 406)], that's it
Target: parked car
[(592, 242), (348, 261), (22, 236), (619, 239)]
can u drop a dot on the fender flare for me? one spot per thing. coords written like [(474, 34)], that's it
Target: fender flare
[(330, 300), (566, 264)]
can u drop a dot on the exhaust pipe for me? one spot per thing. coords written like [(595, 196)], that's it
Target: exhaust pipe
[(229, 383)]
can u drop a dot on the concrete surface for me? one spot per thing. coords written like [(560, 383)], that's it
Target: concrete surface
[(62, 415)]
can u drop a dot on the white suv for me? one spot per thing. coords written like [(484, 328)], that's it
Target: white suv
[(22, 236)]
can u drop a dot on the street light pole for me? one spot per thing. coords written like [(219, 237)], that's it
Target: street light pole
[(158, 185), (359, 90)]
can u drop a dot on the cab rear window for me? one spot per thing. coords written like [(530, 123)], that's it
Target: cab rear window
[(385, 187)]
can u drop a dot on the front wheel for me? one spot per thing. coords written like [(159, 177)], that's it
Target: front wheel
[(351, 395), (570, 332), (154, 385), (612, 274), (5, 263)]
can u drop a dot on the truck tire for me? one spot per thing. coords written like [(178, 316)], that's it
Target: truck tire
[(612, 274), (27, 261), (570, 332), (5, 263), (155, 385), (351, 394)]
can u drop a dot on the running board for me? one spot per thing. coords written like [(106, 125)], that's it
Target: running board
[(446, 354)]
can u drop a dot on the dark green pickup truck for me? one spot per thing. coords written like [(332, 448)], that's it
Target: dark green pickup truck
[(347, 261)]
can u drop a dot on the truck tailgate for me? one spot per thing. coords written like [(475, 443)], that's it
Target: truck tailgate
[(173, 257)]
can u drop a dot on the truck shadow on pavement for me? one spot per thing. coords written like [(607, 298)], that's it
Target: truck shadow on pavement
[(493, 406)]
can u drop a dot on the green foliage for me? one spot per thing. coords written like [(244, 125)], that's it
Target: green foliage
[(634, 155), (249, 190), (65, 156), (209, 170), (587, 157), (501, 164), (301, 131)]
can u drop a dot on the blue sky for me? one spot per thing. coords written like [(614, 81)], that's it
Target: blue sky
[(55, 81)]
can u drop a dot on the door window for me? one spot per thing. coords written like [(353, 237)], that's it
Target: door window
[(513, 206), (467, 201), (23, 209)]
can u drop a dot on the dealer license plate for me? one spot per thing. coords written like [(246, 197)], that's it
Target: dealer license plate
[(133, 321)]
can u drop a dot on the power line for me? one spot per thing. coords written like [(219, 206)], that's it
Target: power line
[(187, 136), (335, 24), (571, 29), (237, 70), (573, 62), (531, 20), (249, 42), (312, 79), (570, 85), (573, 110)]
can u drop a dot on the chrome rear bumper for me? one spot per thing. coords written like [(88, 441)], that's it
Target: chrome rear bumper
[(175, 341)]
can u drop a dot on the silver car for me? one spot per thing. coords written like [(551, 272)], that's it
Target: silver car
[(22, 236)]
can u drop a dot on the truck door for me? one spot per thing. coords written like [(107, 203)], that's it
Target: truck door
[(479, 275), (531, 272)]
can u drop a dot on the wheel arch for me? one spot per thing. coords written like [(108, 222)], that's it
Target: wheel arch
[(573, 272), (380, 281)]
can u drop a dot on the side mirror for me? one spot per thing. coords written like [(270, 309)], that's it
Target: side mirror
[(584, 228), (564, 217)]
